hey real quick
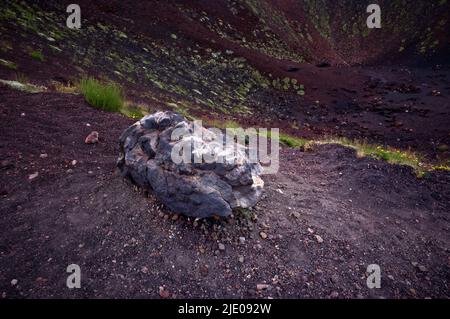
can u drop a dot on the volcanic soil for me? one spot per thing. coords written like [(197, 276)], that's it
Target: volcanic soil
[(323, 218)]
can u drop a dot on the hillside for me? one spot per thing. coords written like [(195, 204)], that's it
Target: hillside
[(364, 119)]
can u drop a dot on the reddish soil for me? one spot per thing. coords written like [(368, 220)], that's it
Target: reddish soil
[(388, 86), (128, 245)]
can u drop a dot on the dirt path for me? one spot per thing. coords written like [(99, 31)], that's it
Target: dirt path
[(364, 212)]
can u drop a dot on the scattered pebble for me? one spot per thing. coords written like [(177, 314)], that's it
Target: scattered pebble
[(263, 235), (422, 268), (43, 155), (260, 287), (164, 293), (14, 282), (92, 138), (221, 246), (241, 259), (296, 214), (319, 239), (33, 176), (242, 240)]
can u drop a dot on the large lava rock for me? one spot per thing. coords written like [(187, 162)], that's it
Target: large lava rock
[(192, 188)]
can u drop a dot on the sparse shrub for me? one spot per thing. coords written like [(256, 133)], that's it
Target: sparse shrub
[(105, 96), (37, 55)]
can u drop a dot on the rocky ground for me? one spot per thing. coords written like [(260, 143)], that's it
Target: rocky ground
[(324, 217), (310, 68)]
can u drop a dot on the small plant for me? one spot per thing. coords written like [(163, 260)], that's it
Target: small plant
[(66, 89), (292, 141), (134, 111), (37, 55), (104, 96)]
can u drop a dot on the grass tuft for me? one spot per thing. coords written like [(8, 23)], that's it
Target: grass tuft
[(389, 154), (37, 55), (104, 96)]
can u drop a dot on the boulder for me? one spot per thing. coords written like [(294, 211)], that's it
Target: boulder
[(199, 186)]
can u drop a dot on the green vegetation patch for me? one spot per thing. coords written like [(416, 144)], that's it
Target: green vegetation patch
[(104, 96), (37, 55)]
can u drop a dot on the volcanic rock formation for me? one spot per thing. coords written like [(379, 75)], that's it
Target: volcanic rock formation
[(188, 184)]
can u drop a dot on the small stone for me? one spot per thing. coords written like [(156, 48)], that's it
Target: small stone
[(422, 268), (335, 278), (221, 246), (164, 293), (175, 217), (435, 93), (263, 235), (14, 282), (92, 138), (69, 171), (241, 259), (33, 176), (334, 294), (442, 148), (311, 231), (279, 191), (260, 287), (319, 239), (43, 155), (296, 214), (144, 270), (74, 162), (242, 240), (204, 270)]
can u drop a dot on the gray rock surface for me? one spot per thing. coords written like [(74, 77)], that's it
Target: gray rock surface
[(199, 188)]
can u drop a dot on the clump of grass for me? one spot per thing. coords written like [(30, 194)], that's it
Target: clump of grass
[(37, 55), (66, 89), (289, 140), (223, 124), (292, 141), (389, 154), (104, 96), (134, 111)]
